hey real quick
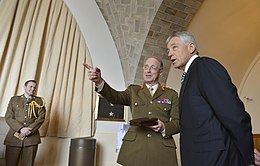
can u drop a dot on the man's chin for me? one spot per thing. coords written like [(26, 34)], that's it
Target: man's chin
[(176, 66)]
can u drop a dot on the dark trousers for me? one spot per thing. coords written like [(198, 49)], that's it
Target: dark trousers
[(27, 155)]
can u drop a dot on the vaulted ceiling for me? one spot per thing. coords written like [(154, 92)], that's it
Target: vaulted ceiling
[(225, 29)]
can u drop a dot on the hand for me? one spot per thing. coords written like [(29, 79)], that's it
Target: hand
[(94, 74), (257, 157), (159, 127), (25, 131)]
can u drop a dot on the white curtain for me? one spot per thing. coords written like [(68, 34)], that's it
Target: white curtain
[(40, 39)]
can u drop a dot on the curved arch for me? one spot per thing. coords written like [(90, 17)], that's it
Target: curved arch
[(99, 40), (249, 69)]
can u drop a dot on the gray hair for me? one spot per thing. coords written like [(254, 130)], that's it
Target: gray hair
[(186, 38)]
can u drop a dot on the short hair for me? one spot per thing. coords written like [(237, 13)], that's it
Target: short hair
[(186, 38), (158, 59), (26, 82)]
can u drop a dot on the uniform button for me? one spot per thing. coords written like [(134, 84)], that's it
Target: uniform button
[(26, 110), (151, 102), (24, 123), (149, 135), (149, 113), (135, 103), (25, 117), (165, 109)]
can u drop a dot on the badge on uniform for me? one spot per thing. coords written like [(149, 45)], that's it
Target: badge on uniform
[(164, 101)]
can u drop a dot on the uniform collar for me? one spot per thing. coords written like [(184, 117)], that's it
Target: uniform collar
[(27, 97), (154, 86)]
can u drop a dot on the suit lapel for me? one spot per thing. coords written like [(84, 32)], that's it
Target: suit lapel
[(186, 80)]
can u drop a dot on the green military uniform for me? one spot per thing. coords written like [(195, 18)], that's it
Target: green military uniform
[(142, 146), (22, 113)]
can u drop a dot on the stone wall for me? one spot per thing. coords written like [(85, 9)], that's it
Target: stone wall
[(140, 28)]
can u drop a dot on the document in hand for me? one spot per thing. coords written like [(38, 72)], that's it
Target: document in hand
[(143, 122)]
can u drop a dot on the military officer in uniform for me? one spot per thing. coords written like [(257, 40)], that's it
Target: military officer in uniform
[(25, 115), (152, 145)]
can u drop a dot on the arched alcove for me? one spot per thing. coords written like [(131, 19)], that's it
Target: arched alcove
[(250, 92)]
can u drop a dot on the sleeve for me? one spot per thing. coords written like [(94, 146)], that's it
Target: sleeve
[(116, 97), (172, 127), (12, 122), (100, 87), (41, 116), (217, 88)]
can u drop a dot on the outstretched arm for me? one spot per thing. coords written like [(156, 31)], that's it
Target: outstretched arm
[(94, 74)]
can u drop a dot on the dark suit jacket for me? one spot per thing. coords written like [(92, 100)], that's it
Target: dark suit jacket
[(215, 128), (142, 146), (17, 117)]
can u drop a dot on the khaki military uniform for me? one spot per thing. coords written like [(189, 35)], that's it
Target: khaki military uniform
[(142, 146), (19, 115)]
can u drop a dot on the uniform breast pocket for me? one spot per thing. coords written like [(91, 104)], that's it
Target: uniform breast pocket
[(18, 110), (164, 107), (138, 106)]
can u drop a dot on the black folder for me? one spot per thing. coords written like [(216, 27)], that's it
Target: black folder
[(144, 122)]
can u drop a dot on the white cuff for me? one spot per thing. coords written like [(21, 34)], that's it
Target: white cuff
[(163, 132), (100, 86)]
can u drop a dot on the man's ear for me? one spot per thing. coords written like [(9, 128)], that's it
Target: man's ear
[(161, 71), (191, 48)]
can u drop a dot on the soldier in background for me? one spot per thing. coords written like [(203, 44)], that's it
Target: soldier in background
[(25, 115)]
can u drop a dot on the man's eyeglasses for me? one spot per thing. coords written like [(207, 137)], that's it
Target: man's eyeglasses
[(147, 67)]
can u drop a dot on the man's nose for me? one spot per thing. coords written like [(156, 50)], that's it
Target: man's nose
[(169, 53), (149, 69)]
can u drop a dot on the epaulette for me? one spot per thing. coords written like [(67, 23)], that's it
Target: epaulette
[(168, 88), (162, 87), (134, 85)]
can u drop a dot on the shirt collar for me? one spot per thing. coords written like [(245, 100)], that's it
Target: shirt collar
[(27, 97), (154, 86), (187, 66)]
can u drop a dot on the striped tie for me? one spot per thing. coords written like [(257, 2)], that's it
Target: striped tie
[(183, 76)]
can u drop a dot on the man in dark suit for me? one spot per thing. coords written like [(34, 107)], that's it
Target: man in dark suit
[(25, 114), (151, 145), (215, 129)]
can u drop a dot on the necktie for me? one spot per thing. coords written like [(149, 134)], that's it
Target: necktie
[(151, 91), (183, 76)]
